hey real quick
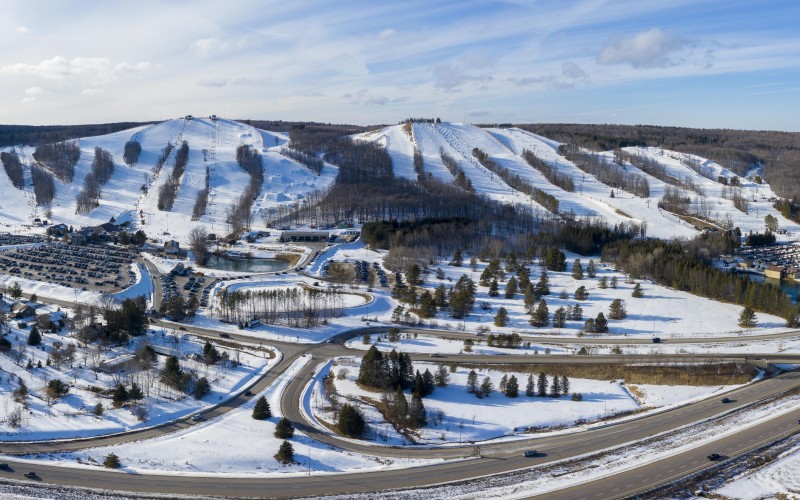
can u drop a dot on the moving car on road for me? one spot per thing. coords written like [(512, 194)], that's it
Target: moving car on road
[(714, 456), (530, 453)]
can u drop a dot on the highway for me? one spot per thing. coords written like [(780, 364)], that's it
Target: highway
[(495, 458)]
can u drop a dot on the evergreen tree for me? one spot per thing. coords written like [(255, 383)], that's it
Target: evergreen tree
[(284, 429), (98, 409), (602, 283), (591, 271), (577, 270), (112, 461), (559, 318), (351, 421), (419, 386), (600, 323), (172, 373), (120, 395), (494, 289), (262, 411), (577, 313), (555, 387), (530, 388), (541, 316), (617, 309), (555, 260), (472, 382), (501, 318), (285, 455), (511, 288), (201, 388), (428, 382), (503, 382), (136, 392), (372, 371), (637, 291), (543, 285), (440, 297), (581, 293), (541, 385), (588, 326), (427, 305), (524, 277), (512, 387), (210, 354), (564, 385), (747, 318), (412, 275), (613, 282), (486, 388), (417, 415), (442, 375), (34, 338), (458, 259)]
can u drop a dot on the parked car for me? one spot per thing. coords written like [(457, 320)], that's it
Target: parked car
[(224, 335), (531, 453), (656, 340), (197, 418), (248, 393), (714, 456)]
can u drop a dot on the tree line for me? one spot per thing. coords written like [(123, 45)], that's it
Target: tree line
[(240, 215), (298, 307), (548, 201), (605, 171), (557, 178), (201, 201), (459, 177), (17, 135), (131, 152), (313, 163), (102, 169), (169, 190), (60, 158), (13, 168)]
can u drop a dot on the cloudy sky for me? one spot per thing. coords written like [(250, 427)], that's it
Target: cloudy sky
[(731, 64)]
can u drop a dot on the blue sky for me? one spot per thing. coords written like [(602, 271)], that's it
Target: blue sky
[(732, 64)]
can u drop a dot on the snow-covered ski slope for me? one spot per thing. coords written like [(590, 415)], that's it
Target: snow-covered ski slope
[(285, 181), (288, 182), (591, 198)]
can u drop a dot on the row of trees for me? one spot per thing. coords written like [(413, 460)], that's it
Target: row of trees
[(44, 187), (240, 214), (313, 163), (169, 190), (298, 306), (131, 152), (201, 201), (60, 158), (548, 201), (658, 170), (605, 171), (556, 177), (13, 168), (102, 169), (460, 179), (509, 386)]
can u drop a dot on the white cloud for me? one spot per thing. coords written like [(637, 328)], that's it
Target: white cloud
[(34, 91), (572, 71), (96, 69), (448, 77), (26, 100), (648, 49), (387, 33), (212, 82), (90, 92), (210, 45), (22, 29)]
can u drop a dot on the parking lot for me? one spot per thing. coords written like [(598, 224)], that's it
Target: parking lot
[(101, 268), (8, 239), (173, 284)]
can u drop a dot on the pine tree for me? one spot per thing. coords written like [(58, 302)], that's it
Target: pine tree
[(555, 387), (112, 461), (458, 259), (284, 429), (590, 269), (503, 382), (501, 318), (530, 388), (472, 382), (577, 270), (486, 388), (34, 338), (543, 285), (613, 282), (120, 395), (442, 375), (428, 382), (262, 411), (577, 313), (494, 289), (564, 384), (559, 318), (617, 309), (600, 323), (136, 392), (541, 316), (588, 326), (541, 385), (637, 291), (351, 421), (285, 455), (511, 288), (512, 387), (747, 318), (427, 305), (581, 293), (417, 415), (201, 388), (98, 409), (602, 283)]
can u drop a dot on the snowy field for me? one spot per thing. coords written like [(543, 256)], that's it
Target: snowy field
[(466, 418), (241, 447), (73, 414), (780, 479)]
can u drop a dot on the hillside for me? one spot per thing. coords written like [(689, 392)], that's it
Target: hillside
[(545, 181)]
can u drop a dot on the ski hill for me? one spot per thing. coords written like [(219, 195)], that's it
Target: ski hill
[(132, 192)]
